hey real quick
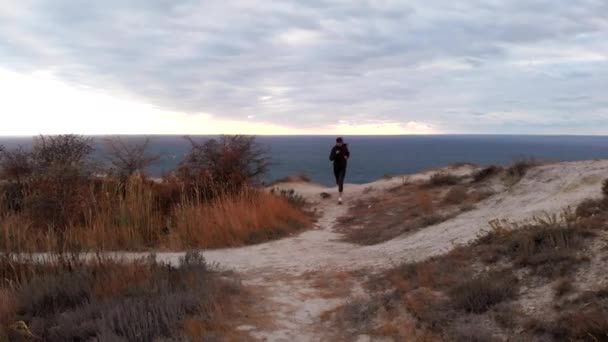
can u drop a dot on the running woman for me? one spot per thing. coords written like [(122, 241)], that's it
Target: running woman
[(339, 155)]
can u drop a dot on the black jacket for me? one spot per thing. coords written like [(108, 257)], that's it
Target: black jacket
[(339, 154)]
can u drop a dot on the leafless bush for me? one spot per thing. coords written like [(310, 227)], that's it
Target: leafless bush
[(49, 183), (229, 163), (15, 169), (128, 158), (15, 165), (65, 152)]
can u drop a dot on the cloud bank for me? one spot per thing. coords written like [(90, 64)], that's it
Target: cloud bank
[(472, 66)]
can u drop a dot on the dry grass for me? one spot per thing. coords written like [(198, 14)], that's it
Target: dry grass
[(140, 219), (456, 195), (584, 318), (562, 287), (251, 217), (405, 209), (479, 294), (486, 173), (549, 247), (443, 178), (8, 306), (336, 284), (518, 169)]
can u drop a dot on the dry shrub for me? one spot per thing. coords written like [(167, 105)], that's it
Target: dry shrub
[(424, 200), (127, 159), (486, 173), (227, 163), (456, 195), (66, 301), (427, 305), (519, 168), (8, 306), (548, 246), (562, 287), (15, 165), (325, 195), (443, 178), (605, 188), (249, 217), (591, 207), (302, 178), (472, 332), (436, 218), (582, 325), (584, 318), (479, 294), (294, 198)]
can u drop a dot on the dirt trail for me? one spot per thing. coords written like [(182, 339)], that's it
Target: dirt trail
[(293, 306)]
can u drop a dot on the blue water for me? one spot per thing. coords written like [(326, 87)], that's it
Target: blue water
[(372, 157)]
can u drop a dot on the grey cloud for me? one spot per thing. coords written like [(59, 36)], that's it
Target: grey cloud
[(390, 60)]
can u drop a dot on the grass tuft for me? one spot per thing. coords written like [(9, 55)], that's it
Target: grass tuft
[(443, 178)]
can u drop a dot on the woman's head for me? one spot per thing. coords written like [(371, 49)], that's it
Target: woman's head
[(339, 141)]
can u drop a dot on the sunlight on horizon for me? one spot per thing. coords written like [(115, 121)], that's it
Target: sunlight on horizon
[(38, 103)]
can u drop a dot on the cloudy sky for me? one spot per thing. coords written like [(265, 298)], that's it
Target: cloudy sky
[(295, 67)]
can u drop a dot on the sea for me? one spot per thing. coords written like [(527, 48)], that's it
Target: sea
[(374, 157)]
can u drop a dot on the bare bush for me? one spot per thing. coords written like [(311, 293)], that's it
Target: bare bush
[(15, 165), (228, 163), (65, 152), (128, 158), (52, 179)]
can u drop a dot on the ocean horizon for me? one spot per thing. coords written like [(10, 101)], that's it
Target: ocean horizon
[(374, 157)]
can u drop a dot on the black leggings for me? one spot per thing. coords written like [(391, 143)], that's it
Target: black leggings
[(340, 173)]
